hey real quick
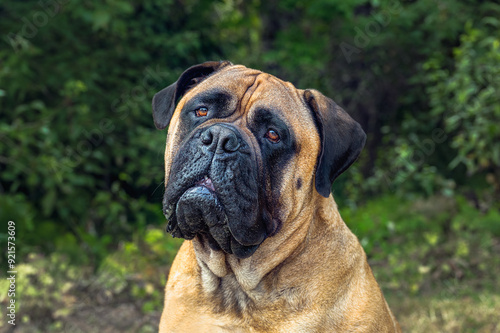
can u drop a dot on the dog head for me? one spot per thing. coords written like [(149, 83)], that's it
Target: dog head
[(245, 150)]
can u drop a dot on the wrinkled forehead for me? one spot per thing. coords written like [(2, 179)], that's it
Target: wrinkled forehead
[(232, 80), (251, 91)]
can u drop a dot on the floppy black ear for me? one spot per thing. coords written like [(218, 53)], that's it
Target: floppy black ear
[(165, 100), (342, 139)]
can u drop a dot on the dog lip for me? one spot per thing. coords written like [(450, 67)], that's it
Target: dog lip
[(206, 182)]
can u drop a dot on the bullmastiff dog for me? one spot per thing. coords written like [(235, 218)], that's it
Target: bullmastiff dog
[(249, 164)]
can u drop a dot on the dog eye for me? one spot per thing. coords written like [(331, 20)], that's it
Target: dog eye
[(272, 136), (201, 112)]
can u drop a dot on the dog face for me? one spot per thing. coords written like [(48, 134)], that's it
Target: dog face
[(245, 151)]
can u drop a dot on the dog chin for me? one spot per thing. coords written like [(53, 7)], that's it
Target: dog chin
[(199, 212)]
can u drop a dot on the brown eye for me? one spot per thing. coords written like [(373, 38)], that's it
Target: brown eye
[(272, 136), (201, 112)]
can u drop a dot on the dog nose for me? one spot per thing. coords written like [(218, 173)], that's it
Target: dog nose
[(220, 139)]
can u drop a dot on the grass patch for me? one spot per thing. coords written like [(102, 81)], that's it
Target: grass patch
[(478, 312)]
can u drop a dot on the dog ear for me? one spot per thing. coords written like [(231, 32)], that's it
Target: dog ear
[(164, 101), (342, 139)]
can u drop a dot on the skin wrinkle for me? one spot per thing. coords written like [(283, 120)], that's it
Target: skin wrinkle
[(249, 92)]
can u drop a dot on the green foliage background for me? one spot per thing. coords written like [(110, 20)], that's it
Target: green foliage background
[(81, 165)]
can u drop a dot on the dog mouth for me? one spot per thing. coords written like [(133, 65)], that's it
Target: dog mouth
[(200, 212), (206, 182), (199, 195)]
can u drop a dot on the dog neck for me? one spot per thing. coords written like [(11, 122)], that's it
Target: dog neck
[(249, 274)]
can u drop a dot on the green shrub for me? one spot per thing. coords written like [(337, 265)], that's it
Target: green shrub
[(467, 97), (426, 242)]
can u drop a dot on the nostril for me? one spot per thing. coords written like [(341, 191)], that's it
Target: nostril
[(207, 137), (230, 143)]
